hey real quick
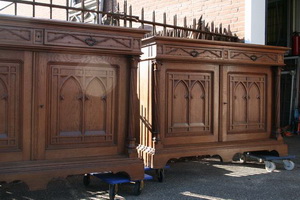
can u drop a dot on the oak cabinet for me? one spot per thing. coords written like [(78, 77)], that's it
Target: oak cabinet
[(207, 98), (67, 106)]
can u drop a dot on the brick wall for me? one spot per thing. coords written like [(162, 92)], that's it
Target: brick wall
[(227, 12)]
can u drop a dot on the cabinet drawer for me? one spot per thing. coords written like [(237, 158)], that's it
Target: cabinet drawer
[(246, 56), (77, 39), (20, 35)]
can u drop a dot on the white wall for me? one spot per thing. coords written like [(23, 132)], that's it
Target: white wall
[(255, 21)]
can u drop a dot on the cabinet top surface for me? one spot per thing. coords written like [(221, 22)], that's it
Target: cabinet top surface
[(195, 50), (202, 42)]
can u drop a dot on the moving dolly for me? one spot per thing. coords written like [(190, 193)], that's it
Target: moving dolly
[(269, 160), (160, 173), (115, 179)]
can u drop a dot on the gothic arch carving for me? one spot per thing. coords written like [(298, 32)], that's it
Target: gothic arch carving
[(95, 107), (70, 106)]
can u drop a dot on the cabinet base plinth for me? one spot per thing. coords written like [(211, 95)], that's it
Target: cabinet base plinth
[(37, 174), (157, 158)]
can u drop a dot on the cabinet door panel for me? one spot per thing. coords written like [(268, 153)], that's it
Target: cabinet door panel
[(248, 114), (79, 93), (190, 96), (191, 103), (15, 105), (10, 89)]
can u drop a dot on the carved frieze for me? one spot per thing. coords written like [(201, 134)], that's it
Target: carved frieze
[(193, 52), (215, 53), (15, 35), (253, 56), (75, 39)]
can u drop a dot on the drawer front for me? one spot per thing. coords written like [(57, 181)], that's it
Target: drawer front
[(20, 35), (75, 39)]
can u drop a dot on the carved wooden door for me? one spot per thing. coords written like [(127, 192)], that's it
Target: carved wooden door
[(15, 96), (79, 105), (189, 95), (192, 101), (246, 103)]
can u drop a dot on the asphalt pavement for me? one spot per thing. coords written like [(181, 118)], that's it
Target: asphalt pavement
[(194, 179)]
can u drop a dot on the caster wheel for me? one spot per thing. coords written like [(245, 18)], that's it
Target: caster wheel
[(160, 175), (243, 158), (112, 191), (270, 166), (288, 165), (86, 179), (138, 187)]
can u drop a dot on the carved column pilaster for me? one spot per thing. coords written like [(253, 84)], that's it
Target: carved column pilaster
[(133, 114), (156, 66), (276, 128)]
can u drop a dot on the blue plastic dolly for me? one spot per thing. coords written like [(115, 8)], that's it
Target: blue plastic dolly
[(114, 179), (270, 160), (160, 173)]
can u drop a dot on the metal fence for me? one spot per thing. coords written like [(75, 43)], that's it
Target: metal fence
[(91, 11)]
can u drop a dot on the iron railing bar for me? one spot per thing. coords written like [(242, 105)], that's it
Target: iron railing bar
[(67, 10), (51, 3), (16, 8), (33, 8), (82, 13), (98, 16)]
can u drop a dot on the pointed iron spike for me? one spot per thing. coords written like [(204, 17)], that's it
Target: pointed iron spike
[(153, 16), (199, 21), (175, 20)]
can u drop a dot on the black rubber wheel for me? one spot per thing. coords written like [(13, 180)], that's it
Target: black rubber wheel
[(137, 189), (112, 191), (160, 175), (243, 158), (86, 179)]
